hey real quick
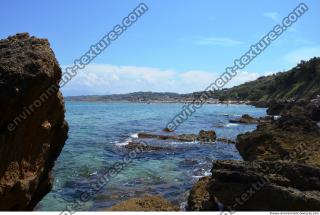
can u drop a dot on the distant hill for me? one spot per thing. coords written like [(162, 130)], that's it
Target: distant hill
[(302, 81), (136, 97)]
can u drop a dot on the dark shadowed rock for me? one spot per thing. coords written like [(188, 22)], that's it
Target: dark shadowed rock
[(226, 140), (30, 141), (146, 203), (258, 186), (308, 108), (289, 134)]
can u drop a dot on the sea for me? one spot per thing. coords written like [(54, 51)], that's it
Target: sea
[(97, 136)]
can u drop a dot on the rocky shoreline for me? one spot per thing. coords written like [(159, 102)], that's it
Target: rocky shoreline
[(281, 158), (280, 171)]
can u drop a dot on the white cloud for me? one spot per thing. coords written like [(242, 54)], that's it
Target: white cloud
[(218, 41), (305, 53), (106, 79), (274, 16)]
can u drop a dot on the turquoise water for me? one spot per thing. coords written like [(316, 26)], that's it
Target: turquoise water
[(97, 131)]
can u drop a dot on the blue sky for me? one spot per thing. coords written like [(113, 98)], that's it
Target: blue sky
[(179, 46)]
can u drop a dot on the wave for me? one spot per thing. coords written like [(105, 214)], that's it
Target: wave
[(181, 142), (127, 140), (134, 135), (231, 125)]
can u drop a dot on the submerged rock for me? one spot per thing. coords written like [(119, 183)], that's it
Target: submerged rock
[(146, 147), (182, 137), (146, 203), (32, 126), (259, 186), (203, 136)]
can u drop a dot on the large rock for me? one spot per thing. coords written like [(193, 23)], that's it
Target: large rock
[(263, 186), (32, 126), (308, 108), (200, 198), (289, 134), (146, 203)]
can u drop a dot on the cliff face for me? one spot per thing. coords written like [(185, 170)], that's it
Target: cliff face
[(32, 126)]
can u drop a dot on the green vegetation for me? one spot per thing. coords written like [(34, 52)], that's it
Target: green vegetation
[(302, 81)]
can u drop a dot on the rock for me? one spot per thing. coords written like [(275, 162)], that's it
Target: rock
[(186, 137), (146, 148), (276, 107), (200, 198), (266, 120), (168, 130), (259, 104), (32, 126), (204, 136), (207, 136), (263, 186), (245, 119), (314, 109), (227, 141), (146, 203), (282, 138), (182, 137), (308, 108)]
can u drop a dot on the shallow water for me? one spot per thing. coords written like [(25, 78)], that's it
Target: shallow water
[(97, 131)]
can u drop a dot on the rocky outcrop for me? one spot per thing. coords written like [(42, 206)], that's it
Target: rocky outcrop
[(146, 203), (308, 108), (289, 134), (281, 171), (245, 119), (260, 186), (32, 126), (203, 136)]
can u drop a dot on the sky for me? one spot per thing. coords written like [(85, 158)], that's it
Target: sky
[(176, 46)]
